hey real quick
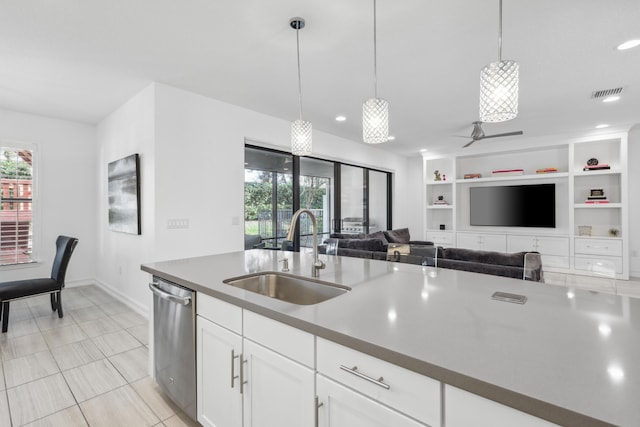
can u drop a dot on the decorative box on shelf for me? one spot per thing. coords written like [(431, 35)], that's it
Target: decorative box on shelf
[(472, 175), (596, 196)]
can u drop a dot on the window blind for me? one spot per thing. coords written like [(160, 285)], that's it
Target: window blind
[(16, 201)]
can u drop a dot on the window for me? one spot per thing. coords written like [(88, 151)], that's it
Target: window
[(16, 199), (343, 198)]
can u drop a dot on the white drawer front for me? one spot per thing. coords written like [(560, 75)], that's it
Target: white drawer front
[(411, 393), (440, 238), (224, 314), (607, 247), (284, 339), (464, 409), (599, 265)]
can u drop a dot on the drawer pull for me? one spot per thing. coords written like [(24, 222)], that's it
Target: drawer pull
[(354, 371), (233, 368), (598, 247)]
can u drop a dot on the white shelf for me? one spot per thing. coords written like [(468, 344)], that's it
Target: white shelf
[(598, 172), (515, 177), (597, 205), (439, 182), (440, 207)]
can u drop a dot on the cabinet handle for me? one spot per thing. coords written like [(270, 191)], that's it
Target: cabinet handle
[(317, 405), (233, 367), (242, 381), (598, 247), (354, 371)]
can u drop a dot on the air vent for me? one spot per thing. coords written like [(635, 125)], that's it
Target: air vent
[(605, 92)]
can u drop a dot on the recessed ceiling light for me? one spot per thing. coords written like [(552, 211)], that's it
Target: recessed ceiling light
[(424, 150), (391, 138), (340, 118), (629, 44), (611, 99), (602, 126)]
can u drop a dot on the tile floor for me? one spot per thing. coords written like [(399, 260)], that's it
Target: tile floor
[(87, 369)]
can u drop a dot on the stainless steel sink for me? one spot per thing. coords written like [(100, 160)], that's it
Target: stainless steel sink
[(289, 288)]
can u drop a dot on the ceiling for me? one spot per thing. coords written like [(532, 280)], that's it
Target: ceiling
[(80, 60)]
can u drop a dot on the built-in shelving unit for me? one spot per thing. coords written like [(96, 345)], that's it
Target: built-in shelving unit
[(603, 226)]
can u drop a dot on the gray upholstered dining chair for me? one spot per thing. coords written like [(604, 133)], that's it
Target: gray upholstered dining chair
[(18, 289)]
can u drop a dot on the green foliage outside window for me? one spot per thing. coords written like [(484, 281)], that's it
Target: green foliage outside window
[(12, 166)]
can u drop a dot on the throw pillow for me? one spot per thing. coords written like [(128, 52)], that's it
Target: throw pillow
[(400, 235)]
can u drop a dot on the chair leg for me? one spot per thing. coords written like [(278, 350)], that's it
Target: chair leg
[(59, 304), (5, 316), (54, 304)]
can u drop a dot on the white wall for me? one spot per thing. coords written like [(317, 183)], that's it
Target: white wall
[(128, 130), (634, 201), (192, 161), (65, 161)]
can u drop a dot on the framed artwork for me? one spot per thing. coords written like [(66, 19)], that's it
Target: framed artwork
[(124, 195)]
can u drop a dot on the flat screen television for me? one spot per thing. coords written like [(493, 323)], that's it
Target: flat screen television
[(513, 206)]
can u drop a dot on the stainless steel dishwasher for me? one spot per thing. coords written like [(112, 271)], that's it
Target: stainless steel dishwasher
[(174, 343)]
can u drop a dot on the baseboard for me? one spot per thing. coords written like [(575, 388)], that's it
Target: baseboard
[(125, 299), (78, 282)]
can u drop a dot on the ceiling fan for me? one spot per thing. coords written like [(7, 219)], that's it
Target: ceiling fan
[(477, 134)]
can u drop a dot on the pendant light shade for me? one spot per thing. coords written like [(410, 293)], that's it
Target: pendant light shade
[(375, 111), (301, 130), (499, 83), (499, 91), (301, 138), (375, 121)]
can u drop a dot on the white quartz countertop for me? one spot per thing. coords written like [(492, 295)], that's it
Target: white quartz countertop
[(572, 358)]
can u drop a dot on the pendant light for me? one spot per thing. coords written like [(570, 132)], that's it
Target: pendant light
[(375, 111), (300, 129), (499, 87)]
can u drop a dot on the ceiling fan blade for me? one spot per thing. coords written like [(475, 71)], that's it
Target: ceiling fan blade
[(497, 135), (469, 143)]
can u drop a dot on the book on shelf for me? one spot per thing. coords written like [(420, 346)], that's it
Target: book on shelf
[(547, 170), (507, 172), (440, 202), (472, 175), (596, 202), (597, 198), (601, 166)]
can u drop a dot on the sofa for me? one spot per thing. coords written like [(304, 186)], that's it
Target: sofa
[(370, 246), (477, 261), (376, 246)]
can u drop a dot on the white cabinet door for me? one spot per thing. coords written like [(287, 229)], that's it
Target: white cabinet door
[(218, 362), (343, 407), (494, 242), (554, 250), (279, 392), (464, 409), (482, 241)]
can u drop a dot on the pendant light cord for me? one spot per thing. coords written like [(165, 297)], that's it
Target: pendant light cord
[(500, 34), (375, 56), (299, 78)]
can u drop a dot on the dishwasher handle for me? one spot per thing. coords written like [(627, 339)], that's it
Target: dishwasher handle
[(168, 296)]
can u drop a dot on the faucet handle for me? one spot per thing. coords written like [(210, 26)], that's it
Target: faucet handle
[(285, 264), (319, 264)]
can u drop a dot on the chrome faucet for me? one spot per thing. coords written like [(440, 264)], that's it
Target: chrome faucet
[(317, 264)]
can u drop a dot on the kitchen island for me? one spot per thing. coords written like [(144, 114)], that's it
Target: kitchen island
[(570, 358)]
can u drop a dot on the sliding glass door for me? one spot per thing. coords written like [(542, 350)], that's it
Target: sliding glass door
[(316, 194), (343, 198), (268, 195)]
